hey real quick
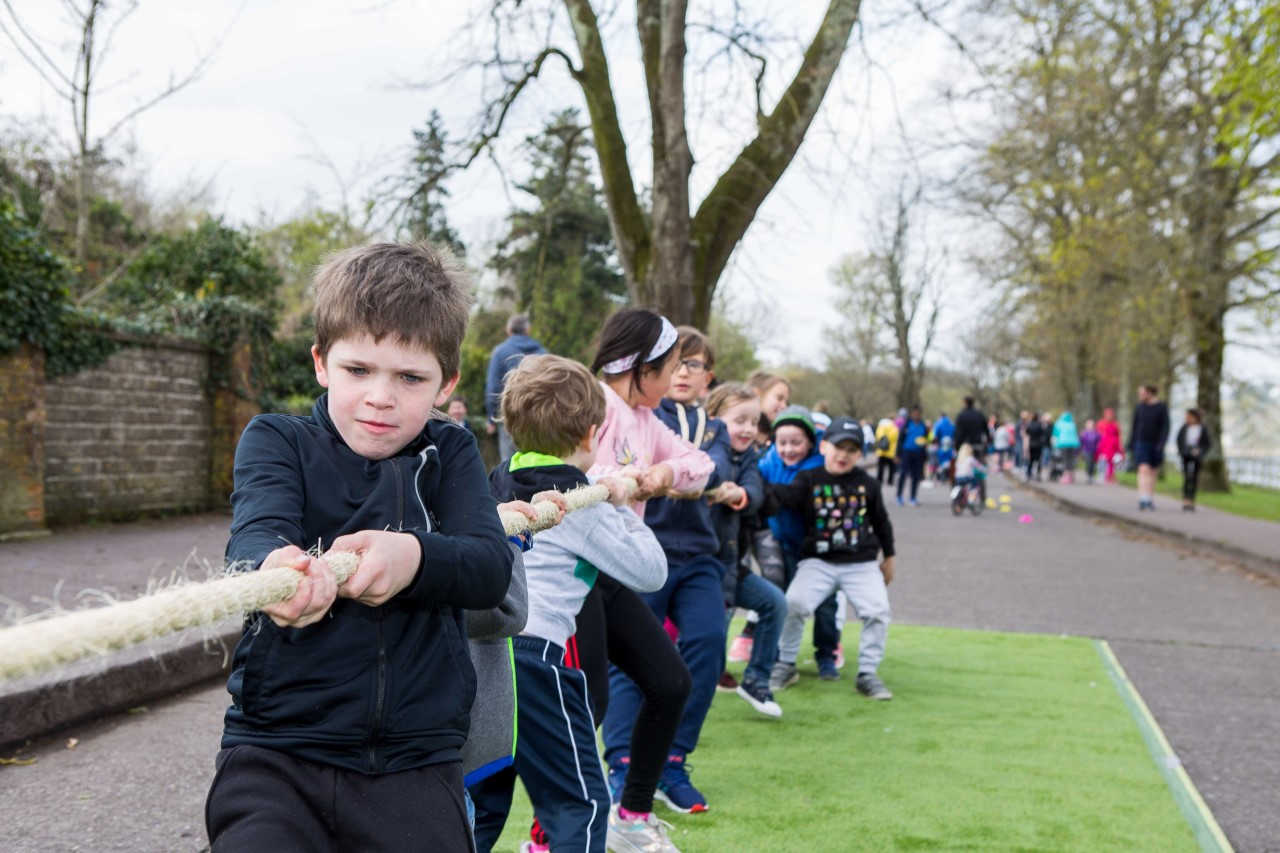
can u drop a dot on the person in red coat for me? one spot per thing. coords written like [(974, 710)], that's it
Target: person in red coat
[(1110, 448)]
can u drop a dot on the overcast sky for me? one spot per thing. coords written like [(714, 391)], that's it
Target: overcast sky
[(295, 83), (302, 99)]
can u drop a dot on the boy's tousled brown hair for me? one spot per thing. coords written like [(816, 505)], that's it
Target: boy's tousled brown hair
[(417, 293), (550, 403), (693, 342)]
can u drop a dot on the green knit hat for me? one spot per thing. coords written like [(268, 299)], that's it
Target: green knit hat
[(797, 416)]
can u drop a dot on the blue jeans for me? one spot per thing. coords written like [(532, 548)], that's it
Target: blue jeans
[(913, 467), (693, 598), (769, 602)]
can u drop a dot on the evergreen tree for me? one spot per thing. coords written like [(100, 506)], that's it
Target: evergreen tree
[(560, 255), (424, 216)]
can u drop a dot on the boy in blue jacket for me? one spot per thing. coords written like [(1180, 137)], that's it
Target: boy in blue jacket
[(350, 705)]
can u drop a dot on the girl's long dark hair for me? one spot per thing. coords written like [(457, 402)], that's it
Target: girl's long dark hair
[(631, 331)]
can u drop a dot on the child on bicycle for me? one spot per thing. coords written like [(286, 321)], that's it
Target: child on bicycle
[(968, 469)]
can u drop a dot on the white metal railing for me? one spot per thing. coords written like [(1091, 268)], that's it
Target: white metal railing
[(1255, 470)]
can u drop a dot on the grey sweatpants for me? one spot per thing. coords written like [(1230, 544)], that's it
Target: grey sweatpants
[(862, 583)]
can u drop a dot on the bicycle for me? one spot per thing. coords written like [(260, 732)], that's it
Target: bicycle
[(970, 493)]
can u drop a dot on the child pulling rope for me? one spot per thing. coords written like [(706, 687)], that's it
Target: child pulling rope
[(47, 643)]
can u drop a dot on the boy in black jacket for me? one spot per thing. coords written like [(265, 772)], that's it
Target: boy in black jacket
[(351, 705), (846, 528)]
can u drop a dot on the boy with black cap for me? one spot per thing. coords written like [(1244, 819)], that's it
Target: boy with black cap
[(846, 527)]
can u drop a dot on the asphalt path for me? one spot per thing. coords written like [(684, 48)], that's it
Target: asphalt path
[(1200, 641)]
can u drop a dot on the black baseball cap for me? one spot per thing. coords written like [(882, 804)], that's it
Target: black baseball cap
[(844, 428)]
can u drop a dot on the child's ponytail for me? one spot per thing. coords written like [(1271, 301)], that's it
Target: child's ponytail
[(632, 341)]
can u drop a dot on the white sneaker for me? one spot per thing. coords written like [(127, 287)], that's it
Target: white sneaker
[(645, 834), (759, 697)]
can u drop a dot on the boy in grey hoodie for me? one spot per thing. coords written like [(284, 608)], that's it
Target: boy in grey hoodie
[(553, 408)]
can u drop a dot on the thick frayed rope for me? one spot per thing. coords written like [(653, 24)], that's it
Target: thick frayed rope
[(46, 643)]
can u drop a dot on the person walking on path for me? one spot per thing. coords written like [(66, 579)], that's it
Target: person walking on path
[(504, 359), (1036, 437), (1090, 438), (911, 452), (886, 450), (1193, 443), (1147, 439), (1066, 440), (971, 429), (1109, 445)]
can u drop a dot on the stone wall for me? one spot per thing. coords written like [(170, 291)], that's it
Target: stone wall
[(130, 436)]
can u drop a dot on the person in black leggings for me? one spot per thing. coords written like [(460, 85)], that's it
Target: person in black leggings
[(616, 626)]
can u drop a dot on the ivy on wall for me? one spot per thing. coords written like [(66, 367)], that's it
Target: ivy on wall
[(36, 306)]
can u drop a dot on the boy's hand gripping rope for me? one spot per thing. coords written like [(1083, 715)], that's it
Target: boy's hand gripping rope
[(45, 643)]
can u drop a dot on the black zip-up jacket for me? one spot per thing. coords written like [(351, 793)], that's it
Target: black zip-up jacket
[(369, 689), (971, 429), (845, 520)]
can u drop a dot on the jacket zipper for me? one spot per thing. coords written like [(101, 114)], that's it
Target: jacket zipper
[(380, 702)]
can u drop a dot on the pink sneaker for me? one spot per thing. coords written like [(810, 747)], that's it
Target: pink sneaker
[(740, 649), (840, 656)]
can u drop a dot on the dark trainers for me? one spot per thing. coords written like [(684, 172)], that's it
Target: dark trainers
[(783, 676), (727, 683), (872, 687), (827, 670), (617, 778), (759, 697), (675, 789)]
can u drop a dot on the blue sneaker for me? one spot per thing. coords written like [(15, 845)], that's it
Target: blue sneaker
[(617, 778), (675, 789), (827, 670)]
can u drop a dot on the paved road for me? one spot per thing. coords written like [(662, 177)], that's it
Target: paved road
[(1200, 641)]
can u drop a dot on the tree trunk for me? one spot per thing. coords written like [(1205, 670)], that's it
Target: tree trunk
[(670, 274), (1210, 342), (626, 219)]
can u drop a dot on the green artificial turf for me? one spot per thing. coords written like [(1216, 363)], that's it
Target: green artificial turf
[(1248, 501), (992, 742)]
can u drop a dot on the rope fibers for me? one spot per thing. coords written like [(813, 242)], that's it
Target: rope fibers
[(42, 644)]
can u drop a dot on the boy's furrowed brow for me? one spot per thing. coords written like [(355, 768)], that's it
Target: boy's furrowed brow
[(417, 370)]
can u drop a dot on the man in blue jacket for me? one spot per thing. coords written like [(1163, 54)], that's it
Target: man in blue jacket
[(504, 359), (350, 704)]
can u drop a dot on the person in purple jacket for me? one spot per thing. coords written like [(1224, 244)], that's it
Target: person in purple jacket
[(1090, 438)]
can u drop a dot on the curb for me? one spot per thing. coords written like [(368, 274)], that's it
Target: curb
[(1203, 824), (41, 705), (1198, 545)]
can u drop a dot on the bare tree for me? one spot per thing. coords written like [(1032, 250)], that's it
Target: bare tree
[(671, 255), (78, 80), (899, 289)]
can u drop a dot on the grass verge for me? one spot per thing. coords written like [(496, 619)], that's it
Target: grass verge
[(1248, 501), (993, 741)]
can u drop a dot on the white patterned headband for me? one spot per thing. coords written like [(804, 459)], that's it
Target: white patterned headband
[(666, 339)]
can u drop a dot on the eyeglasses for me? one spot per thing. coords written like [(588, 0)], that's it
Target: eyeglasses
[(693, 365)]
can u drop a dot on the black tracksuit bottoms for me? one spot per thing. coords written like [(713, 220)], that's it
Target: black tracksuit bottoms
[(262, 799)]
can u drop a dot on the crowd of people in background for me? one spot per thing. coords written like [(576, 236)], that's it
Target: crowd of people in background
[(1037, 445)]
